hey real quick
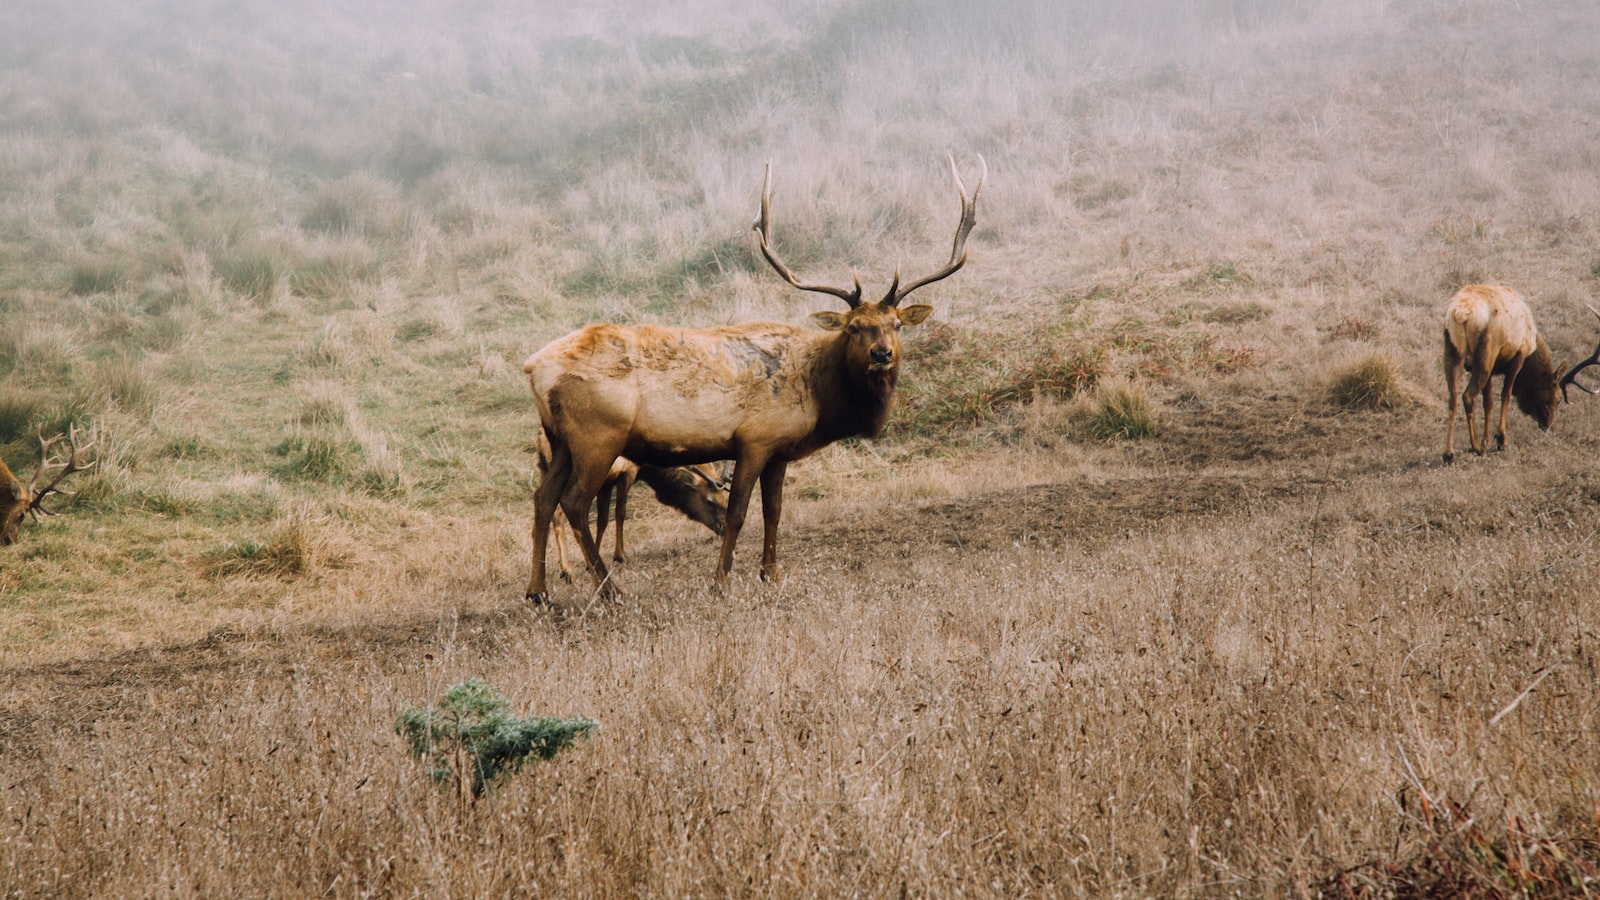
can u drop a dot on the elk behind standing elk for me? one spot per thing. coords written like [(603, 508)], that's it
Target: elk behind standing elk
[(699, 492), (761, 393), (17, 501)]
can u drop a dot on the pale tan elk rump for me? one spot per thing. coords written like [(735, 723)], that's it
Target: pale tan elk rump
[(1489, 331)]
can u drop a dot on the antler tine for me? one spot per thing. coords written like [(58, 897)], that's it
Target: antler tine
[(1571, 378), (716, 484), (762, 228), (71, 465), (958, 253)]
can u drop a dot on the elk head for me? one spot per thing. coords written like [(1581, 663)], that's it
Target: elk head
[(872, 346), (17, 501)]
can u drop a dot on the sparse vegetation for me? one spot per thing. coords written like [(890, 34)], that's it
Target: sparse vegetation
[(288, 259)]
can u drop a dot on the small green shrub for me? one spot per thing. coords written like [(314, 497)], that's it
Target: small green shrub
[(471, 739), (1369, 383), (1121, 413)]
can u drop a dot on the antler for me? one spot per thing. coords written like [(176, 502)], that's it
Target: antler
[(958, 253), (717, 484), (1571, 378), (36, 504), (762, 228)]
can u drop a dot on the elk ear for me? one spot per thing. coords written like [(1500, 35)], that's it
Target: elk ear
[(914, 314), (14, 488), (830, 321)]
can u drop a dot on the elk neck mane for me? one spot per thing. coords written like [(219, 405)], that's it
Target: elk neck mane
[(850, 404), (1537, 370)]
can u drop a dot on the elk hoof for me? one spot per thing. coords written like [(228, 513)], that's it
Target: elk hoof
[(566, 576), (619, 559), (1449, 458), (537, 599)]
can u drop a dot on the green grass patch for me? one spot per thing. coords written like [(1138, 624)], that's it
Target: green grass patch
[(958, 378)]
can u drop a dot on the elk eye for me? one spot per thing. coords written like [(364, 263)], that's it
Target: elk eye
[(853, 328)]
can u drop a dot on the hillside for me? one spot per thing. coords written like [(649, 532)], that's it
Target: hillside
[(1135, 597)]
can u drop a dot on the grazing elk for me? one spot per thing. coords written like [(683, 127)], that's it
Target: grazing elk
[(1488, 331), (699, 492), (761, 393), (17, 501)]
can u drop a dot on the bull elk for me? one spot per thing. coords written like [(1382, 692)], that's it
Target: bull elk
[(763, 394), (17, 500), (1489, 331), (699, 492)]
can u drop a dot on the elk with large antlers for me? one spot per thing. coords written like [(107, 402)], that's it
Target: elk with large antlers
[(17, 501), (1489, 331), (762, 394)]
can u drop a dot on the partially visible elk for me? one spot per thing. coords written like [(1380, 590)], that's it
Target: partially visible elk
[(1489, 331), (17, 500), (699, 492), (761, 393), (1571, 378)]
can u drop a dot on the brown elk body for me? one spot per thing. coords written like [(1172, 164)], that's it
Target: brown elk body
[(763, 394), (1489, 331), (699, 492)]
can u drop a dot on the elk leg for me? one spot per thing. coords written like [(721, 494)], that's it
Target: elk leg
[(552, 484), (558, 531), (1469, 403), (1505, 396), (576, 503), (624, 486), (602, 517), (771, 512), (1452, 375), (745, 473)]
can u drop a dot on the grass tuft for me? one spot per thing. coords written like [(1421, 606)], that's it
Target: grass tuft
[(1121, 412), (1370, 383), (293, 546)]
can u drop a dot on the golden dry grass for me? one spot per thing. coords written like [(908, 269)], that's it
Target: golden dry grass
[(1273, 648)]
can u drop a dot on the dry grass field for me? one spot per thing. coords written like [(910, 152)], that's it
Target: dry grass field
[(1156, 586)]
